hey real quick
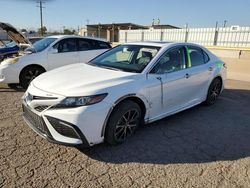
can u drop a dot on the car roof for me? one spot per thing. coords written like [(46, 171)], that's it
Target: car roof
[(76, 36), (151, 43)]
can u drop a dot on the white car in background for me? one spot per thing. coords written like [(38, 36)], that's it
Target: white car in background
[(47, 54), (108, 98)]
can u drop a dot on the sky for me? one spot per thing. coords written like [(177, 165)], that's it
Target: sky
[(74, 13)]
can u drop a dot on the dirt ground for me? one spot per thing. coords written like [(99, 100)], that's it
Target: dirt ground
[(238, 69), (200, 147)]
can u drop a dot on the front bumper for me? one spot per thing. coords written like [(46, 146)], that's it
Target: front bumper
[(69, 126), (37, 124)]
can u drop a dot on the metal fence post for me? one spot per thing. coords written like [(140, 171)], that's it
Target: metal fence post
[(216, 37), (161, 38), (126, 36), (186, 33), (186, 36), (216, 34), (142, 36)]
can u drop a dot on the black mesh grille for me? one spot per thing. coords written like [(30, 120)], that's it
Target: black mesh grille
[(36, 121), (63, 127)]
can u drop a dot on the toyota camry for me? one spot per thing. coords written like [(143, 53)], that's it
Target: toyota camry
[(132, 84)]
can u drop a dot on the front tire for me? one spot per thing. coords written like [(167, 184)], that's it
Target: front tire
[(123, 122), (28, 74), (213, 91)]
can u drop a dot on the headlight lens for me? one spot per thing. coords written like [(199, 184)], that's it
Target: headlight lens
[(70, 102)]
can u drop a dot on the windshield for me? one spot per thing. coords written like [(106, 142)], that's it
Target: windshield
[(43, 44), (129, 58)]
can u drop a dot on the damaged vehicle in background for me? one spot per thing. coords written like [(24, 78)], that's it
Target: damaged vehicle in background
[(15, 47), (47, 54)]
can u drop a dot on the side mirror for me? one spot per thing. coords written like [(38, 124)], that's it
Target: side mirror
[(53, 50)]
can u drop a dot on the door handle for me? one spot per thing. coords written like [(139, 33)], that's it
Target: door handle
[(158, 78), (187, 75), (210, 68)]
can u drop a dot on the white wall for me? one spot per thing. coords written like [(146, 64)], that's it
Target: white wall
[(205, 36)]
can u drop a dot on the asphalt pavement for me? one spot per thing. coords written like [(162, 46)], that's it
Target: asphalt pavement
[(200, 147)]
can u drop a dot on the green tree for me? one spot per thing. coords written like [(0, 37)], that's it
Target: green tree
[(55, 33), (42, 31), (23, 30), (68, 32)]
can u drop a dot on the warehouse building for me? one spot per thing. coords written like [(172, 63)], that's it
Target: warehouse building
[(110, 32)]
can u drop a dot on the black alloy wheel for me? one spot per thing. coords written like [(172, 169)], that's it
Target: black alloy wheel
[(28, 74), (123, 122), (214, 91)]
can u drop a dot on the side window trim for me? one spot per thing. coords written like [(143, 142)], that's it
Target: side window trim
[(188, 62), (205, 54)]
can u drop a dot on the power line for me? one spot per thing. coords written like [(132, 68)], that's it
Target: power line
[(40, 6)]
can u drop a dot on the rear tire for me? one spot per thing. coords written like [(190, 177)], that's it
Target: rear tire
[(28, 74), (213, 91), (123, 122)]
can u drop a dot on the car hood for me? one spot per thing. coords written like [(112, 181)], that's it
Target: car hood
[(14, 34), (81, 79)]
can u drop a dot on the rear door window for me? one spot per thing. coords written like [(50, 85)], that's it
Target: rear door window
[(103, 45), (85, 44), (197, 56)]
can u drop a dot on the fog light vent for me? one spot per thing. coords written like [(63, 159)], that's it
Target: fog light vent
[(62, 127)]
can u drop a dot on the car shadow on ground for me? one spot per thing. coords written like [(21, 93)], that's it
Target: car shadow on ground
[(201, 134), (15, 88)]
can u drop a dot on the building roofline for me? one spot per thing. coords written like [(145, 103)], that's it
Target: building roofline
[(118, 24)]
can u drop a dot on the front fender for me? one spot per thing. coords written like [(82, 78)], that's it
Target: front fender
[(127, 96)]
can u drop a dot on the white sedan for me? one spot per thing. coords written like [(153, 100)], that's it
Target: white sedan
[(47, 54), (131, 84)]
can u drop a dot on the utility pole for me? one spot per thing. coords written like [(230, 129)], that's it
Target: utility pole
[(225, 23), (87, 21), (40, 6)]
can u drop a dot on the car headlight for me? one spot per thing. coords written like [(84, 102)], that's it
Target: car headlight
[(70, 102)]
